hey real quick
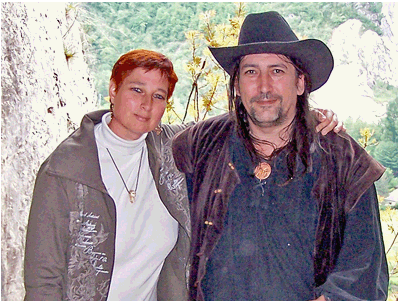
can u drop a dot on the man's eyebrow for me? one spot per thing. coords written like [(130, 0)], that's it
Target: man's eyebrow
[(278, 65), (246, 65), (250, 65)]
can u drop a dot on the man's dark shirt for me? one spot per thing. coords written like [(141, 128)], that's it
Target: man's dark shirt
[(266, 248)]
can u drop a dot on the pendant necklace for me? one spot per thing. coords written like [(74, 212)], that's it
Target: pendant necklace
[(262, 171), (132, 193)]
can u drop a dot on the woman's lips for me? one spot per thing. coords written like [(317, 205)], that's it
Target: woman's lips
[(142, 118)]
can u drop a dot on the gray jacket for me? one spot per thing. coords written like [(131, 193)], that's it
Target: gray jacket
[(71, 232)]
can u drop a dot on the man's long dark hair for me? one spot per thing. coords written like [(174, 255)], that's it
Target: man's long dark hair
[(302, 127)]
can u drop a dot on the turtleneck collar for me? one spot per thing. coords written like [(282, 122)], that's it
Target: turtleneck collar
[(108, 139)]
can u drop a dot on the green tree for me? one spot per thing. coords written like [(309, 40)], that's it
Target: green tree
[(390, 122), (353, 127), (387, 154), (116, 27), (383, 185)]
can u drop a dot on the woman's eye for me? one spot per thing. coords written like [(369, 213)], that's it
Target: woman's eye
[(138, 90), (159, 96), (250, 71)]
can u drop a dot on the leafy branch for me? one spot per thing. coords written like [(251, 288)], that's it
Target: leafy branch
[(209, 75)]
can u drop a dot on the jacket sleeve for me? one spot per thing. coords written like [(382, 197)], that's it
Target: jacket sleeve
[(183, 150), (171, 130), (46, 242), (361, 271)]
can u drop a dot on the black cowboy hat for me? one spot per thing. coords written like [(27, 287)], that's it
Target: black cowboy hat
[(269, 33)]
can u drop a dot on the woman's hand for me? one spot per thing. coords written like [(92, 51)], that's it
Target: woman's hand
[(328, 121)]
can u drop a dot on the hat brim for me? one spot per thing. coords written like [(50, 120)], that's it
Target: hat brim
[(314, 55)]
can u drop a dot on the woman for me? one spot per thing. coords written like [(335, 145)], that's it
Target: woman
[(109, 202), (109, 216)]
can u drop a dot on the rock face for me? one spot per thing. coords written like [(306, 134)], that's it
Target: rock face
[(361, 59), (46, 89)]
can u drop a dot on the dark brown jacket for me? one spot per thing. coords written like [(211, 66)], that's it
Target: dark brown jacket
[(203, 151)]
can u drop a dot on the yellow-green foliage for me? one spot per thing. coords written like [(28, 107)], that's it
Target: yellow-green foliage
[(209, 81), (170, 116), (366, 139), (389, 221)]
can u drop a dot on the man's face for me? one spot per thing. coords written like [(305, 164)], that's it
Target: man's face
[(268, 86), (139, 103)]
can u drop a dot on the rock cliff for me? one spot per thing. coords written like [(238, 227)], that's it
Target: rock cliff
[(361, 59), (46, 88)]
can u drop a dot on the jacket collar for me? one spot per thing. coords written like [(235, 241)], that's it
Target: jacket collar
[(76, 158)]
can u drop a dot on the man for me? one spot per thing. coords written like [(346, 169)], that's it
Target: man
[(279, 212)]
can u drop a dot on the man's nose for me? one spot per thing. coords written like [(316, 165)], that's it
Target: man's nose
[(265, 83)]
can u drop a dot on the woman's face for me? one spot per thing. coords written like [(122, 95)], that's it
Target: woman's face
[(139, 103)]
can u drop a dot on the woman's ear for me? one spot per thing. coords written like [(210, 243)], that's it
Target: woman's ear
[(112, 90)]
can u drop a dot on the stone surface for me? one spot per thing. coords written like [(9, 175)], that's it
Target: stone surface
[(361, 58), (44, 96)]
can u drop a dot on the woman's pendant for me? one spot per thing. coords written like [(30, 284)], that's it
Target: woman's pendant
[(262, 171), (132, 195)]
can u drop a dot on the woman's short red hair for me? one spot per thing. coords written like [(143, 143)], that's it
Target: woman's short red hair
[(146, 59)]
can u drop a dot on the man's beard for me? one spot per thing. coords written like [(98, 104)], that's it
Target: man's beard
[(279, 118)]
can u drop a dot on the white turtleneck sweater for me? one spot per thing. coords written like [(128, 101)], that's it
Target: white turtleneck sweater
[(145, 231)]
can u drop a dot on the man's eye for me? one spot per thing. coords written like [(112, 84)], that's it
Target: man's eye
[(250, 71), (278, 71)]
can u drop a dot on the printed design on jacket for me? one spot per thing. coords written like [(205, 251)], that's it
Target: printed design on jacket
[(85, 261), (174, 181)]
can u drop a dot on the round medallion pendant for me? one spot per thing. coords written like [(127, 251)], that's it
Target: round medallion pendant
[(262, 171)]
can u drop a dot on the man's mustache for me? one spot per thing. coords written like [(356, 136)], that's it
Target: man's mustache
[(265, 97)]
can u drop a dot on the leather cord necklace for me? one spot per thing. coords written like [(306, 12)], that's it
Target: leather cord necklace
[(132, 193), (262, 172)]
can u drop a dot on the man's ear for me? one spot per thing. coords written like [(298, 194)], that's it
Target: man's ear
[(237, 87), (300, 85), (112, 89)]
